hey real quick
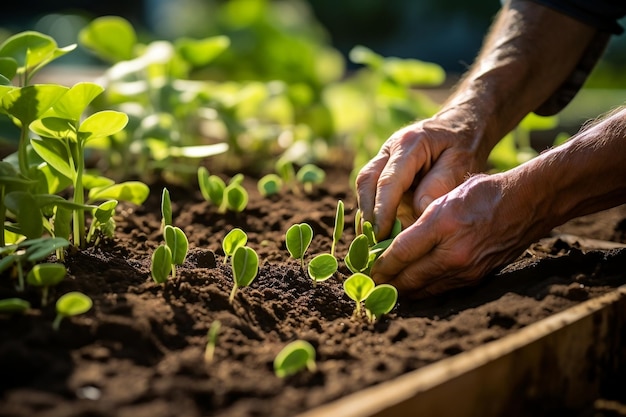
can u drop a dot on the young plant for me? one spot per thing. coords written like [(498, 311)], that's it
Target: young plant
[(286, 172), (339, 224), (71, 304), (176, 240), (211, 186), (295, 357), (161, 266), (102, 223), (46, 275), (381, 300), (209, 350), (14, 305), (245, 266), (270, 184), (309, 176), (357, 258), (358, 286), (322, 267), (166, 208), (235, 198), (297, 239), (233, 239)]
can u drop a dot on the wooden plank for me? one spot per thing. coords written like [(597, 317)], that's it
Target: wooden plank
[(556, 364)]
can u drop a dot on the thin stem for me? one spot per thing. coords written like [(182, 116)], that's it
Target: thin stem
[(2, 216), (22, 152), (233, 292), (79, 198), (57, 322)]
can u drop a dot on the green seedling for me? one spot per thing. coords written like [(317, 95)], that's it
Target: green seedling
[(211, 186), (177, 241), (381, 300), (322, 267), (166, 208), (27, 252), (309, 176), (71, 304), (209, 350), (339, 224), (102, 223), (46, 275), (358, 286), (270, 184), (245, 265), (297, 239), (286, 172), (234, 239), (368, 230), (235, 198), (161, 266), (357, 258), (295, 357), (14, 305)]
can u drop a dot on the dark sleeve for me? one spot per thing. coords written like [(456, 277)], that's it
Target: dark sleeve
[(601, 14)]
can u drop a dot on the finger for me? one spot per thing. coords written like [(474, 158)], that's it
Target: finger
[(366, 183), (437, 182)]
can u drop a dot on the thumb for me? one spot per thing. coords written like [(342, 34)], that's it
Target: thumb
[(435, 184)]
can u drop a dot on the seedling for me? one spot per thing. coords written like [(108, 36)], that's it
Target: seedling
[(287, 172), (209, 350), (71, 304), (161, 266), (339, 224), (46, 275), (310, 175), (211, 186), (297, 239), (234, 239), (295, 357), (322, 267), (245, 265), (357, 258), (381, 300), (166, 208), (235, 198), (176, 240), (14, 305), (102, 223), (358, 286), (270, 184)]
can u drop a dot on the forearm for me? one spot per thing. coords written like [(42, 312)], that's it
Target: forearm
[(527, 55), (585, 175)]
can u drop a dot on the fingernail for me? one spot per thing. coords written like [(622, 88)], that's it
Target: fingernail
[(425, 202)]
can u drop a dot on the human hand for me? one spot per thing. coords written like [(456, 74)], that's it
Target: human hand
[(461, 236), (416, 165)]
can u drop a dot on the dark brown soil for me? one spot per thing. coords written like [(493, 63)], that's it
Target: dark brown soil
[(139, 351)]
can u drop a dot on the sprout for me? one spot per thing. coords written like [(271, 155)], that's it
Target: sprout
[(14, 305), (298, 238), (211, 186), (357, 258), (310, 175), (102, 221), (322, 267), (381, 300), (176, 240), (286, 171), (357, 287), (245, 264), (212, 334), (295, 357), (339, 223), (166, 208), (269, 184), (71, 304), (235, 198), (232, 241), (161, 265), (45, 276)]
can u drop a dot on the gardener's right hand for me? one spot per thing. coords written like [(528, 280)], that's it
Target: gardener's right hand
[(416, 165)]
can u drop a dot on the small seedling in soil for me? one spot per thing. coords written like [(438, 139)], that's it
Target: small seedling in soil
[(358, 286), (212, 334), (71, 304), (102, 223), (295, 357), (211, 186), (357, 258), (286, 171), (381, 300), (310, 175), (232, 241), (166, 208), (245, 265), (270, 184), (339, 224), (13, 305), (235, 198), (322, 267), (176, 240), (161, 266), (46, 275), (297, 239)]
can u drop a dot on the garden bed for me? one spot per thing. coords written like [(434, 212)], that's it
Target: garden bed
[(139, 351)]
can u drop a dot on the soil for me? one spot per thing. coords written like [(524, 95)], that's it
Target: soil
[(139, 350)]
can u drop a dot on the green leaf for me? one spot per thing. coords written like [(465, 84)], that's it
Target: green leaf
[(413, 72), (368, 230), (71, 304), (357, 287), (310, 173), (234, 239), (177, 241), (14, 305), (105, 211), (166, 207), (134, 192), (322, 267), (297, 239), (27, 213), (270, 184), (110, 37), (339, 221), (295, 357), (201, 52), (102, 124), (41, 248), (29, 103), (8, 68), (74, 102), (381, 300), (46, 274), (55, 154), (161, 265), (245, 265), (211, 186), (236, 197), (358, 254)]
